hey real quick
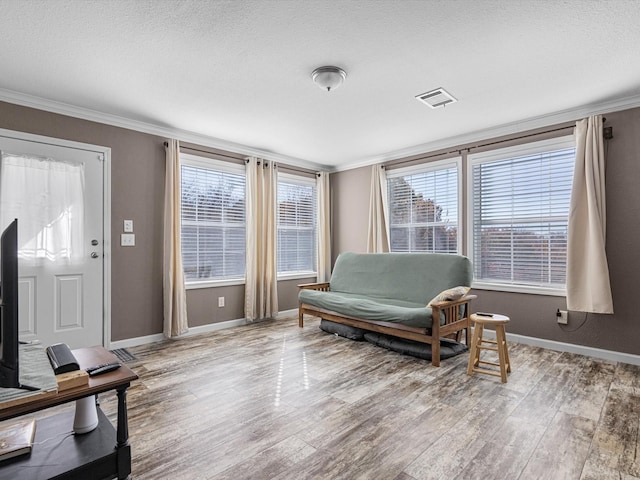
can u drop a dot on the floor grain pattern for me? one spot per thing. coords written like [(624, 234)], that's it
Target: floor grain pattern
[(273, 401)]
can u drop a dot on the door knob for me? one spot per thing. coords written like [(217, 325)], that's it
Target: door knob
[(94, 255), (94, 242)]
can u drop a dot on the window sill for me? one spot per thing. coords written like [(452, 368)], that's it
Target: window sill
[(529, 289), (296, 275), (194, 285)]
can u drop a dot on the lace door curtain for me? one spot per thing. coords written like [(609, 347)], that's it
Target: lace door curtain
[(46, 195)]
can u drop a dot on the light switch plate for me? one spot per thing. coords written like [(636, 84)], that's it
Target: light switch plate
[(128, 239), (128, 226)]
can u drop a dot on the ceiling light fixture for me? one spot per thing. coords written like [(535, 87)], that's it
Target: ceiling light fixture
[(328, 78)]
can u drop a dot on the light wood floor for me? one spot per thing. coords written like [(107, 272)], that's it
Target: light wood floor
[(273, 401)]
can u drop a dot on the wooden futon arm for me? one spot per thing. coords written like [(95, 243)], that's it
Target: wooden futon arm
[(323, 286), (456, 317), (451, 303)]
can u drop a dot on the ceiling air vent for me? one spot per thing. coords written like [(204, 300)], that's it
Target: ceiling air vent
[(436, 98)]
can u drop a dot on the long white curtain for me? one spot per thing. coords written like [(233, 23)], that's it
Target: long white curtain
[(46, 195), (588, 287), (324, 227), (378, 231), (174, 292), (261, 284)]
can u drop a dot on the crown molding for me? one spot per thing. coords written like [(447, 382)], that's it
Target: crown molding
[(532, 123), (61, 108), (498, 131)]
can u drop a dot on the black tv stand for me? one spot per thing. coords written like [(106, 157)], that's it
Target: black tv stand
[(102, 453)]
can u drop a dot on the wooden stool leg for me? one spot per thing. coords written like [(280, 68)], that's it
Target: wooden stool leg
[(476, 360), (475, 351), (502, 348), (506, 352)]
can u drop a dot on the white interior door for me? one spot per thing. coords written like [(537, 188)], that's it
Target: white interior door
[(56, 192)]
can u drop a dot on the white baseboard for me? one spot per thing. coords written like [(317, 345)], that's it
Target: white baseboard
[(570, 348), (158, 337), (212, 327), (134, 342)]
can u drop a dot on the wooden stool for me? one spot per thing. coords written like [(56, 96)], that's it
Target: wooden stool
[(500, 345)]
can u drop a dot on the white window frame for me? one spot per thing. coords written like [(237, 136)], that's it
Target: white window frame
[(301, 180), (522, 150), (219, 165), (454, 162)]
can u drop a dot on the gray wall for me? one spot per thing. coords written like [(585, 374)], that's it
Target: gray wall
[(350, 210), (202, 303), (534, 315), (137, 193)]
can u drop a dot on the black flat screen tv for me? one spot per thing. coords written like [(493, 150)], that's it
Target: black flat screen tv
[(9, 343)]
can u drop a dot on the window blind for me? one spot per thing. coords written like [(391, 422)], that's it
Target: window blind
[(423, 209), (520, 214), (297, 225), (213, 223)]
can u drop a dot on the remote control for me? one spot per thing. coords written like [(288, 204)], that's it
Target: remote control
[(482, 314), (104, 368)]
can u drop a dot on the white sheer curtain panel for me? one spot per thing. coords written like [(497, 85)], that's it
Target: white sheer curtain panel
[(47, 197), (378, 231), (588, 288), (174, 291), (261, 284), (324, 227)]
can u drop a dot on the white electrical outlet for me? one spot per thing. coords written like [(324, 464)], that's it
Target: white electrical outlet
[(220, 301), (128, 226), (127, 239), (563, 318)]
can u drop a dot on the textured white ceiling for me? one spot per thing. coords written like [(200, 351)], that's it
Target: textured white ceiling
[(240, 70)]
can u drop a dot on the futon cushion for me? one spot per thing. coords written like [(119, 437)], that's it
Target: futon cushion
[(409, 277), (347, 331), (369, 308), (448, 348)]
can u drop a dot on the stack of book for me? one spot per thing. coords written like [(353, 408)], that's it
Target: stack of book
[(17, 439)]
